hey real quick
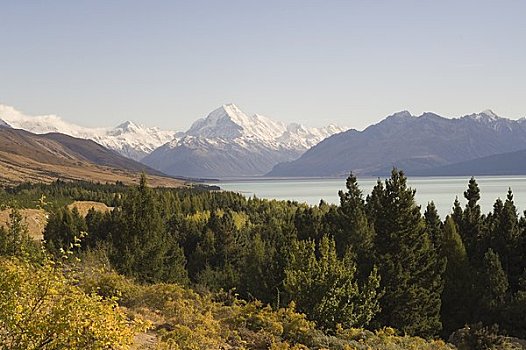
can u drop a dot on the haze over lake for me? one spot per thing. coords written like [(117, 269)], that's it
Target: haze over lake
[(441, 190)]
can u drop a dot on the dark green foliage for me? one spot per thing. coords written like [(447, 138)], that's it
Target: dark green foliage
[(141, 246), (493, 282), (472, 228), (351, 228), (15, 239), (261, 249), (63, 231), (325, 288), (504, 237), (457, 297), (477, 337), (434, 225), (407, 261)]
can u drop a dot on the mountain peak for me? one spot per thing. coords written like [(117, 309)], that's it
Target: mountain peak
[(128, 126), (4, 124), (401, 114), (487, 116), (490, 114)]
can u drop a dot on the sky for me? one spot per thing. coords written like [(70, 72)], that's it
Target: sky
[(168, 63)]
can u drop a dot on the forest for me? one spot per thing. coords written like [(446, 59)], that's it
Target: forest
[(207, 269)]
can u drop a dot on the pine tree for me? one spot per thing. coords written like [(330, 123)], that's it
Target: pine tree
[(407, 261), (458, 300), (504, 238), (63, 231), (324, 286), (492, 286), (15, 239), (352, 230), (434, 225), (139, 237), (471, 226)]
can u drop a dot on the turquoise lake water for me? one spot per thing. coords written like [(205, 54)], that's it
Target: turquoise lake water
[(441, 190)]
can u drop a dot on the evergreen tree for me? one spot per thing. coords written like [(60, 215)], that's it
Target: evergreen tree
[(493, 283), (457, 212), (504, 238), (15, 239), (140, 241), (408, 264), (471, 226), (458, 301), (307, 222), (324, 286), (434, 225), (261, 274), (351, 227), (63, 231), (96, 223)]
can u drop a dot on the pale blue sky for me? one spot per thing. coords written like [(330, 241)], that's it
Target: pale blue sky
[(167, 63)]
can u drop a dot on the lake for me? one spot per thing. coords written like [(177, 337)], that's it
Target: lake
[(441, 190)]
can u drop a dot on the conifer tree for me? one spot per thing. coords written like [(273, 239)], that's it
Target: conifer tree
[(504, 238), (324, 286), (471, 226), (458, 300), (140, 239), (352, 230), (15, 239), (407, 261), (493, 282), (63, 230), (434, 225)]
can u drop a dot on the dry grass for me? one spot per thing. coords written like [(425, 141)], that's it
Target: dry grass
[(84, 206), (35, 219), (15, 168)]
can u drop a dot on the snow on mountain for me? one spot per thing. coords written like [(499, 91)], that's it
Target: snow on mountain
[(3, 124), (129, 139), (230, 123), (427, 144), (228, 142)]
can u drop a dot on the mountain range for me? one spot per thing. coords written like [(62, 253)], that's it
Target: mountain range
[(229, 143), (129, 139), (28, 157), (425, 144), (226, 143)]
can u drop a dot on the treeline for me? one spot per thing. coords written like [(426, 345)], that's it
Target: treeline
[(371, 261)]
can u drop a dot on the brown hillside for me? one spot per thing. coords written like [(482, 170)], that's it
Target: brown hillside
[(84, 206), (35, 219), (44, 158)]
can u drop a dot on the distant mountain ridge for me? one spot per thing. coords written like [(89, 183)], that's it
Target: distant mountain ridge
[(129, 139), (25, 156), (415, 144), (509, 163), (229, 143)]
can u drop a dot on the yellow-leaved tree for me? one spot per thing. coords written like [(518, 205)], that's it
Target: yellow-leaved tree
[(41, 309)]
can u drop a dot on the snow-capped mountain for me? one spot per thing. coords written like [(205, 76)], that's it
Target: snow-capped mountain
[(420, 145), (3, 124), (228, 122), (129, 139), (229, 143)]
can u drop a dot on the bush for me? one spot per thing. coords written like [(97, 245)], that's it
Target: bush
[(39, 309)]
